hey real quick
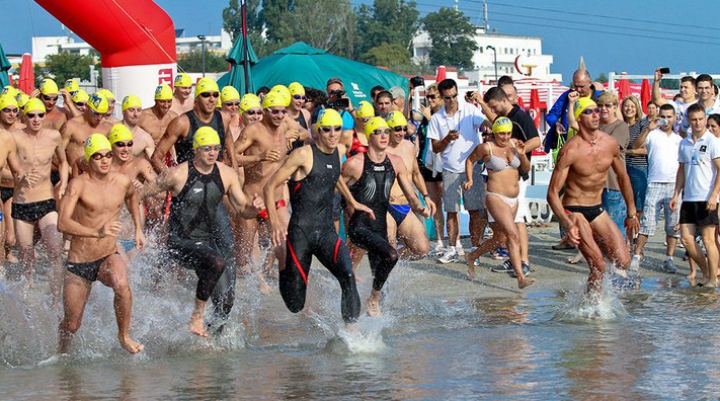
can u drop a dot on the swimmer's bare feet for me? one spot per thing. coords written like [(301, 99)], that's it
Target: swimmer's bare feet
[(711, 284), (263, 286), (691, 276), (373, 304), (10, 258), (471, 266), (197, 320), (131, 345), (576, 259), (527, 282)]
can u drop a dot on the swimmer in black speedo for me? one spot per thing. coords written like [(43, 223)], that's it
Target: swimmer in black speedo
[(370, 177), (197, 188), (314, 172)]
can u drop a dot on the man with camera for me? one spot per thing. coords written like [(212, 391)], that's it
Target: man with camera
[(336, 100)]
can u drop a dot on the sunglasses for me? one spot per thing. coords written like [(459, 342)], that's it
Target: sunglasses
[(128, 144), (299, 97), (274, 111), (364, 120), (606, 105), (337, 92), (10, 111), (231, 104), (80, 104), (98, 156), (216, 148), (331, 129), (206, 95), (431, 97), (50, 98), (400, 129), (381, 132), (588, 112), (35, 115), (450, 97), (253, 112)]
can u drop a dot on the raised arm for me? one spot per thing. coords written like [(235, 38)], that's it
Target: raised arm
[(656, 95), (178, 126)]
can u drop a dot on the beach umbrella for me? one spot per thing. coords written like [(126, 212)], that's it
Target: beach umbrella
[(535, 107), (26, 82), (645, 96), (241, 58), (4, 67), (441, 74), (623, 89)]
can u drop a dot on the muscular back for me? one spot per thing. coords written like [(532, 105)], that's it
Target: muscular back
[(587, 168)]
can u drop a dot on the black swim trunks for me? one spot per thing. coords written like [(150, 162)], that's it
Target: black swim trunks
[(590, 212), (33, 211), (89, 270), (5, 194)]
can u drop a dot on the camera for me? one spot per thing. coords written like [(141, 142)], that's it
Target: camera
[(417, 81), (341, 103)]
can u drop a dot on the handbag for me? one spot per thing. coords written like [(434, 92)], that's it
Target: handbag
[(560, 143)]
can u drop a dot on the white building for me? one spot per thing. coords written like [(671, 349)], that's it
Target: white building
[(517, 56)]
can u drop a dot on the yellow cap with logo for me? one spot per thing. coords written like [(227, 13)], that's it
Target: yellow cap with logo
[(72, 85), (98, 103), (80, 96), (329, 118), (182, 80), (22, 99), (273, 99), (11, 90), (206, 85), (229, 93), (131, 101), (284, 91), (48, 87), (96, 143), (8, 101), (163, 92), (249, 101), (502, 124), (107, 93), (365, 109), (34, 104), (119, 132), (582, 104), (205, 136), (296, 88), (396, 119), (375, 124)]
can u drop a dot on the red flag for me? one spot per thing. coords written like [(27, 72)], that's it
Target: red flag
[(645, 96), (26, 82), (441, 74), (535, 107)]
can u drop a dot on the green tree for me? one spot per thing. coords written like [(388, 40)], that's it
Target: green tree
[(602, 78), (273, 14), (394, 22), (232, 23), (192, 61), (452, 37), (67, 65), (392, 56)]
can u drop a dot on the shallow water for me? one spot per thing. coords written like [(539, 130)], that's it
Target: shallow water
[(654, 343)]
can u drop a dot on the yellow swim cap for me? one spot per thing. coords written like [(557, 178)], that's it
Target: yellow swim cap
[(396, 119), (205, 136), (131, 101), (7, 89), (375, 124), (72, 85), (329, 118), (163, 92), (581, 104), (365, 109), (249, 101), (206, 85), (108, 95), (22, 99), (119, 132), (502, 124), (229, 93), (8, 101), (48, 87), (296, 88), (284, 91), (80, 96), (273, 99), (94, 144), (34, 104), (182, 80), (98, 103)]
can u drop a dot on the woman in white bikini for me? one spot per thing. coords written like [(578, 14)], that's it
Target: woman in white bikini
[(503, 156)]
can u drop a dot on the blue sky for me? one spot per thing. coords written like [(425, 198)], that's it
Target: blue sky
[(612, 35)]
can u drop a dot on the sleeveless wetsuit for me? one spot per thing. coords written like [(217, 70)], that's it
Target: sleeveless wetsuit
[(311, 232), (373, 189), (184, 146), (193, 236), (356, 146), (299, 143)]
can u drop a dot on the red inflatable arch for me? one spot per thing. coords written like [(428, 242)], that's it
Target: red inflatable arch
[(135, 38)]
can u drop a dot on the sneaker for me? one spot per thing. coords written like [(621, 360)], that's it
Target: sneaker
[(635, 262), (669, 266), (525, 268), (499, 254), (439, 250), (449, 256), (505, 267), (460, 251)]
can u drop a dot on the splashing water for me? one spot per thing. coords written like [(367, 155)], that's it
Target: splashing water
[(579, 305)]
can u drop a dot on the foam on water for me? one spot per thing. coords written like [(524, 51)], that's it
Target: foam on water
[(579, 305)]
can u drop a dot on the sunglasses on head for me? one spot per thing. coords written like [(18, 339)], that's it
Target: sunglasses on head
[(231, 104), (98, 156), (400, 129), (253, 112), (206, 95), (35, 115), (381, 132), (336, 128), (275, 111), (588, 112), (50, 98), (299, 97), (127, 144), (216, 148), (10, 111), (450, 97)]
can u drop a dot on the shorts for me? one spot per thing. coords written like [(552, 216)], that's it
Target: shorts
[(472, 199), (89, 270), (33, 211), (6, 193), (263, 214), (697, 213), (614, 204), (430, 175), (522, 205), (658, 197)]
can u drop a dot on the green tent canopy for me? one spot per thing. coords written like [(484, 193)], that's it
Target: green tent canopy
[(313, 67), (236, 76), (4, 67)]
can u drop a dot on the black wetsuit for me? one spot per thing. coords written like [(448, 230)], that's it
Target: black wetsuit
[(184, 146), (373, 190), (299, 143), (193, 237), (311, 232)]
